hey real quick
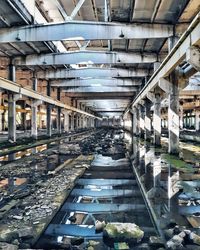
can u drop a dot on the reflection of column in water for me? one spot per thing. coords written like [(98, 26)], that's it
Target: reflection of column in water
[(11, 184), (34, 150), (11, 157), (157, 172)]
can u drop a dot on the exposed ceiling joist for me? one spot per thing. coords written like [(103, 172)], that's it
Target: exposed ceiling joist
[(84, 30), (96, 82), (101, 89), (86, 57), (92, 72)]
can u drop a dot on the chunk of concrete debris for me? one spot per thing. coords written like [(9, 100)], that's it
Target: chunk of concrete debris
[(175, 242), (6, 246), (8, 235), (195, 238), (156, 242), (17, 217), (123, 232), (99, 225), (25, 232)]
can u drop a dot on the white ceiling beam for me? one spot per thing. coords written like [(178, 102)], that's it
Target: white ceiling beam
[(96, 82), (100, 89), (86, 57), (84, 30), (91, 72)]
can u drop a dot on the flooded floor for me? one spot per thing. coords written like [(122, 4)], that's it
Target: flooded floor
[(128, 181)]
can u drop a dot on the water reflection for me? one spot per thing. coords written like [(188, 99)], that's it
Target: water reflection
[(159, 180)]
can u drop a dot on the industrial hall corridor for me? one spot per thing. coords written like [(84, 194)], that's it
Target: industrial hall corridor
[(100, 124)]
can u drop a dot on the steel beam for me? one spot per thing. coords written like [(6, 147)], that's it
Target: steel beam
[(100, 89), (86, 57), (95, 208), (105, 193), (84, 30), (108, 182), (191, 37), (18, 89), (73, 230), (92, 72), (96, 83)]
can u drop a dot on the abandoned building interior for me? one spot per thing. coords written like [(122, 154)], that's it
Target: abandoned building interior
[(100, 124)]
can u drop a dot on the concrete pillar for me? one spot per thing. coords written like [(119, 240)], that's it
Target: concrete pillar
[(147, 120), (197, 120), (23, 115), (11, 108), (173, 109), (59, 129), (135, 122), (34, 109), (72, 121), (66, 120), (49, 109), (85, 122), (181, 116), (173, 115), (141, 120), (157, 120), (11, 117), (1, 120), (78, 121)]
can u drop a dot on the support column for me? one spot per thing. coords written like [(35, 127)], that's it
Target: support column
[(34, 109), (173, 115), (135, 122), (141, 120), (23, 115), (157, 120), (72, 121), (181, 116), (78, 121), (11, 118), (11, 108), (197, 120), (173, 109), (49, 109), (66, 120), (1, 120), (147, 120), (59, 113)]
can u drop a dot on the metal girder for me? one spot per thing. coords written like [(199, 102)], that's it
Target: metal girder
[(18, 89), (91, 72), (95, 208), (105, 193), (73, 230), (101, 89), (109, 182), (103, 95), (95, 82), (86, 57), (84, 30), (189, 38)]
